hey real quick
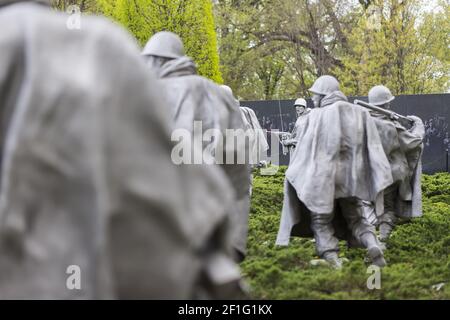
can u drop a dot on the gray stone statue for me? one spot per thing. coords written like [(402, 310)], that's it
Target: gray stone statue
[(337, 163), (258, 139), (258, 145), (403, 147), (301, 109), (195, 98), (91, 204)]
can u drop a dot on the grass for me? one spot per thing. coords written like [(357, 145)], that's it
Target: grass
[(418, 253)]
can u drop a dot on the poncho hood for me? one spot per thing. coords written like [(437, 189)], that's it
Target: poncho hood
[(179, 67), (332, 98)]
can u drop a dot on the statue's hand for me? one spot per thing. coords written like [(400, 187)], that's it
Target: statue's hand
[(290, 142), (262, 164), (393, 117), (415, 119), (285, 136)]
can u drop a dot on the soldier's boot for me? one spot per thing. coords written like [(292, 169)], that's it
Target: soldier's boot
[(377, 257), (332, 258), (327, 245), (388, 219), (383, 246), (373, 249), (385, 231)]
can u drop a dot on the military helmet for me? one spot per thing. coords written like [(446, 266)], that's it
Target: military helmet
[(380, 95), (164, 44), (300, 102), (325, 85)]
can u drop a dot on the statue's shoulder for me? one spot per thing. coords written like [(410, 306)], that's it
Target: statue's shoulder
[(347, 104), (195, 82), (351, 106)]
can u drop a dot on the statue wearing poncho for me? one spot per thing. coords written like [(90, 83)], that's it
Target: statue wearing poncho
[(256, 147), (194, 98), (301, 110), (403, 148), (257, 139), (338, 161), (87, 177)]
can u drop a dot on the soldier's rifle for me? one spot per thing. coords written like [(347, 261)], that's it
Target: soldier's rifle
[(282, 136), (391, 114)]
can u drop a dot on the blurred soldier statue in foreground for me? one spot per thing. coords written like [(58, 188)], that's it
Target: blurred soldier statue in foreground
[(338, 162), (193, 98), (87, 179), (301, 109), (402, 143)]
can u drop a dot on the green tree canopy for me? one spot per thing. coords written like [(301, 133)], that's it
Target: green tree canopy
[(89, 6), (395, 44), (274, 49), (192, 20)]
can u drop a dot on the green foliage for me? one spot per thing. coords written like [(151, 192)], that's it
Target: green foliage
[(418, 253), (393, 44), (192, 20), (86, 6), (437, 184), (267, 48)]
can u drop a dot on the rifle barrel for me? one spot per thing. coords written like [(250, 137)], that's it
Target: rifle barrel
[(382, 111)]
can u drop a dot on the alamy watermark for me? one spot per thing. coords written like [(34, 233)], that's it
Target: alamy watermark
[(73, 281), (234, 146), (374, 280)]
